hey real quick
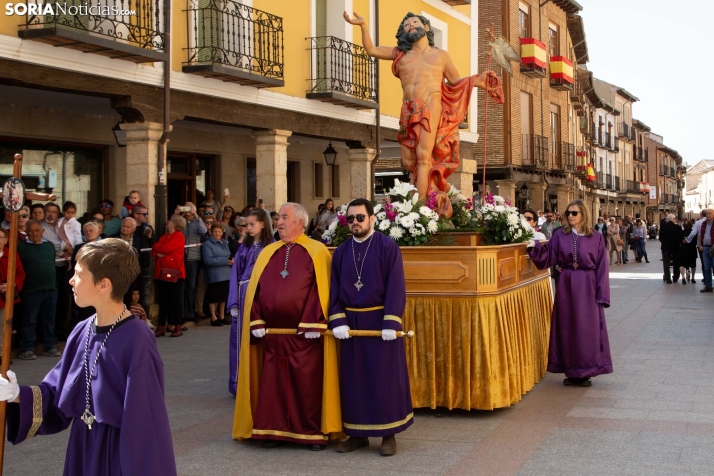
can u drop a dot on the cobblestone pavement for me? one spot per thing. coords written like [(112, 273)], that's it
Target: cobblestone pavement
[(653, 416)]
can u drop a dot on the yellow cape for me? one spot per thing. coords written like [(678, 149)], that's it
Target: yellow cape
[(251, 357)]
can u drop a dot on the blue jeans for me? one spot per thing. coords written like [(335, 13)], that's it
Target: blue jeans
[(44, 304), (192, 268), (707, 263), (640, 247)]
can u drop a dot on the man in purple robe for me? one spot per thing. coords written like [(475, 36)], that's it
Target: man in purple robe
[(579, 345), (368, 292), (118, 415)]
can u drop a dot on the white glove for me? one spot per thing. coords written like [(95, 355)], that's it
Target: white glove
[(341, 332), (531, 244), (234, 312), (312, 335), (259, 333), (9, 389), (389, 334)]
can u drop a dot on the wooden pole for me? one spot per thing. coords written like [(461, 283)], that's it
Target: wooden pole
[(9, 308), (277, 331)]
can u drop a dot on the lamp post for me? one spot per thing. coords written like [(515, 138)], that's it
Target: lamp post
[(330, 155)]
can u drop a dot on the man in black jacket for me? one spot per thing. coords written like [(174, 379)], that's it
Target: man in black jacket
[(145, 233), (670, 236), (127, 232)]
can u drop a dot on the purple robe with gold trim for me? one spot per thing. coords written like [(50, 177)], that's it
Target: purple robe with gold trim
[(374, 383), (131, 434), (579, 345)]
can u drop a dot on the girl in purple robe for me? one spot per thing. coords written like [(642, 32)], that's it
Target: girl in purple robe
[(109, 384), (579, 346), (258, 234)]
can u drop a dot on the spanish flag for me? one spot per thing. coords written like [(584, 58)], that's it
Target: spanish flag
[(561, 69), (591, 173), (533, 53)]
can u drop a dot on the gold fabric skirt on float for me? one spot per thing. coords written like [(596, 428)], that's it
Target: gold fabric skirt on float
[(478, 352)]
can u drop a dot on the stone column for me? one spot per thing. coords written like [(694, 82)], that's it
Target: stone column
[(538, 199), (463, 177), (507, 189), (361, 184), (142, 152), (564, 193), (271, 164)]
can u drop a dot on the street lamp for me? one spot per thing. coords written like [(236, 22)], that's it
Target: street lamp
[(524, 191), (330, 155), (119, 134)]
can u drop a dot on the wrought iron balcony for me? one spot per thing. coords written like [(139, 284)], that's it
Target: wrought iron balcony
[(234, 43), (647, 155), (623, 131), (639, 156), (534, 151), (615, 144), (555, 155), (609, 182), (633, 134), (633, 187), (342, 73), (617, 183), (122, 29), (567, 154), (662, 170), (607, 140), (533, 58)]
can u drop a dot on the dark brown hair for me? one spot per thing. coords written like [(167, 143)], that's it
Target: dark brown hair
[(113, 259), (265, 238)]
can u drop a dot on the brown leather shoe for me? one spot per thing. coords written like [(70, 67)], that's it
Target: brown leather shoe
[(348, 446), (389, 446)]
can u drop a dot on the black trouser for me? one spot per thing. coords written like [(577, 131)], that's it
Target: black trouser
[(62, 277), (171, 301), (145, 290), (670, 259)]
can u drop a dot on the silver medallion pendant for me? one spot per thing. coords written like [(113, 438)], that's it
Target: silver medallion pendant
[(359, 284), (284, 273), (88, 418)]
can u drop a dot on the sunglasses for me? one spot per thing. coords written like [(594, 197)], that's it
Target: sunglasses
[(208, 213), (574, 213), (242, 226), (143, 214), (105, 205), (360, 218), (529, 218), (24, 216), (227, 210)]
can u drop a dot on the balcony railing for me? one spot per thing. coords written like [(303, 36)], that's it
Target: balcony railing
[(567, 154), (608, 181), (555, 155), (662, 170), (600, 180), (533, 58), (607, 140), (638, 154), (123, 29), (615, 144), (235, 43), (672, 172), (647, 155), (633, 186), (534, 151), (617, 184), (343, 73), (623, 131), (561, 73)]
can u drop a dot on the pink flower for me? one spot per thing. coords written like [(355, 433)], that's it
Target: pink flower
[(469, 204), (489, 199), (342, 220), (507, 201), (391, 215), (431, 201)]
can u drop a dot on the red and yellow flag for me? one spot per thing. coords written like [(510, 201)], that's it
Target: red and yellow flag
[(533, 53)]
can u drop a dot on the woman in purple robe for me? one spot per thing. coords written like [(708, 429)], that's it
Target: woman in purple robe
[(579, 345), (259, 234)]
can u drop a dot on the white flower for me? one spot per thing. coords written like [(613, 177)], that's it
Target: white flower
[(414, 231), (499, 208), (395, 233), (414, 216), (381, 215), (498, 200), (406, 221), (377, 208), (431, 226), (512, 219), (384, 225), (333, 225), (426, 211), (415, 199), (401, 188)]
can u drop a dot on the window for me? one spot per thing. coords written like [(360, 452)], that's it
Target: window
[(318, 181), (335, 180), (526, 113), (524, 24), (555, 135), (553, 46)]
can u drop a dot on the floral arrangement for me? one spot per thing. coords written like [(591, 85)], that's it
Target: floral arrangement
[(462, 217), (401, 216), (502, 224)]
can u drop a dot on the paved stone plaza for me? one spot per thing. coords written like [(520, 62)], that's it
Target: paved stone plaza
[(653, 416)]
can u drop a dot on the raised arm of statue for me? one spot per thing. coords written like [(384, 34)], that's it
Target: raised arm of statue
[(381, 52)]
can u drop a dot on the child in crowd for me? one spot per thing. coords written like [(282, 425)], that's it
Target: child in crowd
[(130, 201), (137, 309), (69, 229), (109, 384)]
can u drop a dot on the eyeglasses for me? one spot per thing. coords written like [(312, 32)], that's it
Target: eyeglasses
[(143, 214), (227, 210), (208, 213), (242, 226), (105, 205), (529, 218), (573, 213), (24, 216), (360, 218)]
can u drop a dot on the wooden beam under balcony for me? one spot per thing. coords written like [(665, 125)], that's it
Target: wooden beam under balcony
[(88, 43)]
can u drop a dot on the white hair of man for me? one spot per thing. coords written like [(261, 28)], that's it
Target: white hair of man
[(92, 224), (299, 212), (670, 217)]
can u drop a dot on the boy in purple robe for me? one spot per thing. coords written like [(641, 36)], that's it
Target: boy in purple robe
[(259, 235), (579, 345), (109, 384), (368, 292)]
